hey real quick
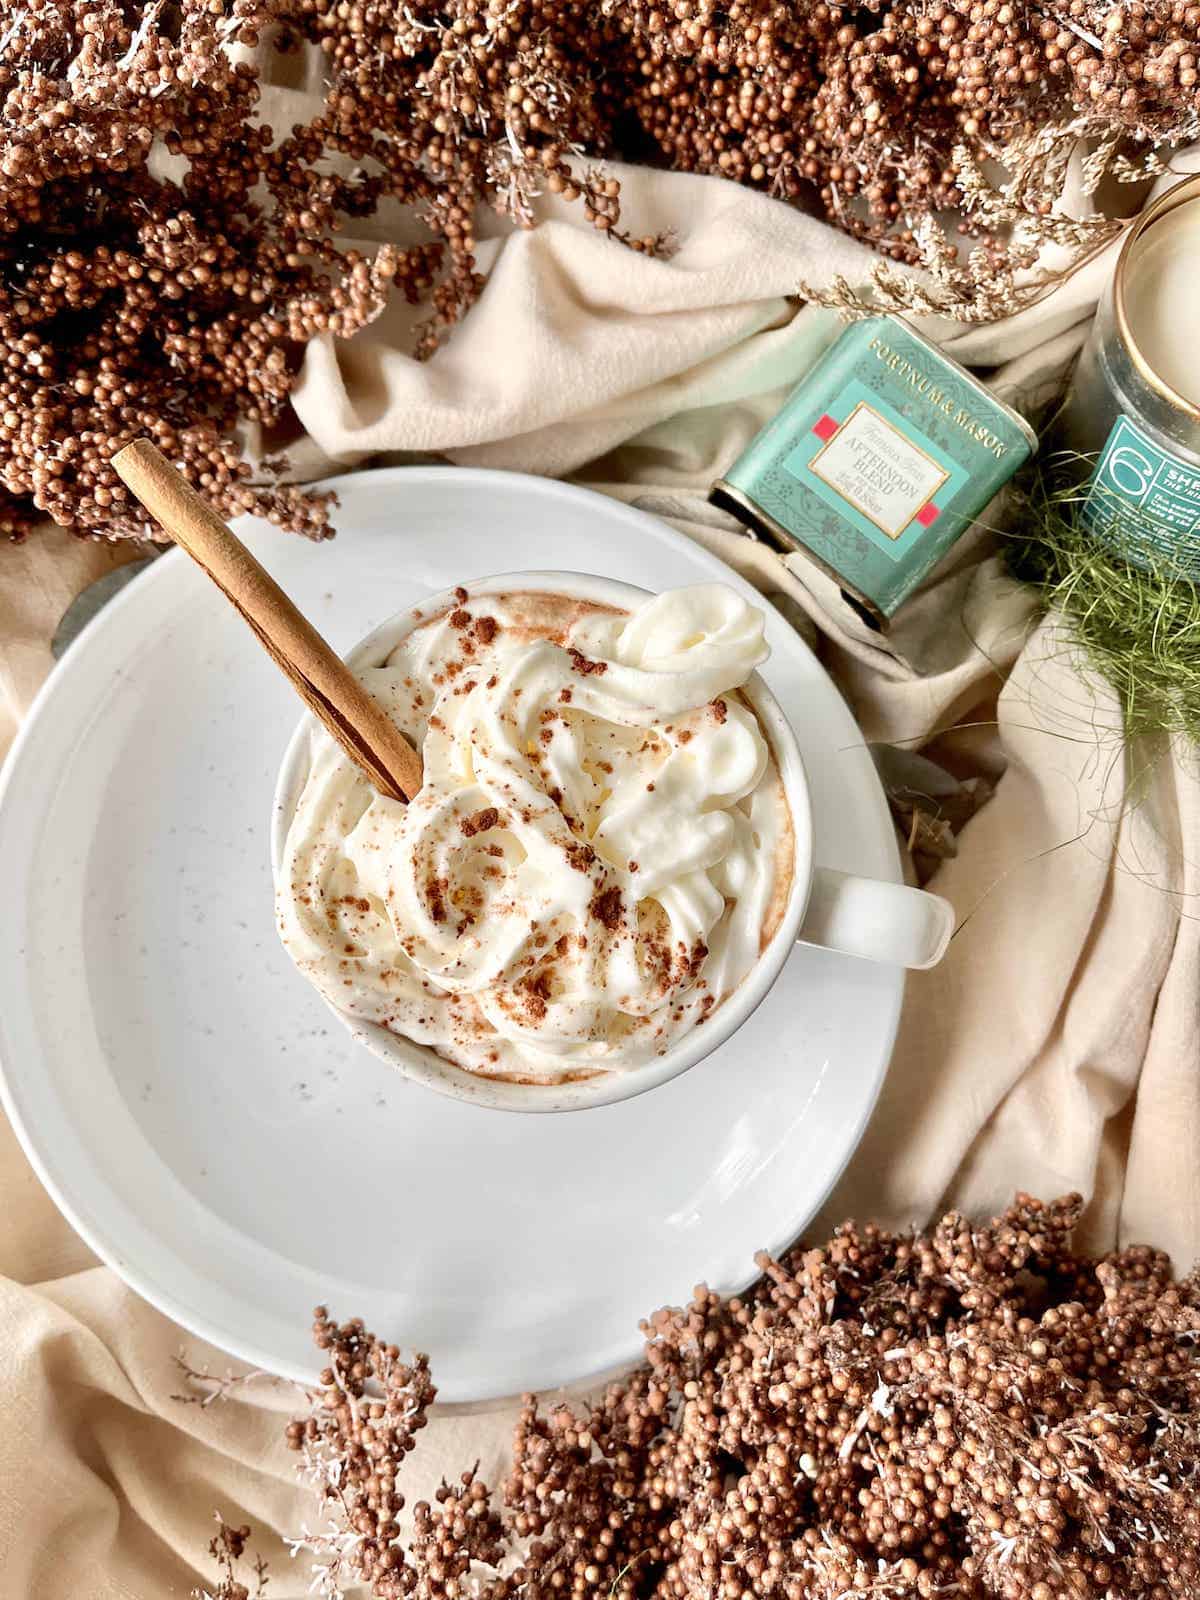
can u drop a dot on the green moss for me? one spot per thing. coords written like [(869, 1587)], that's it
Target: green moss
[(1139, 630)]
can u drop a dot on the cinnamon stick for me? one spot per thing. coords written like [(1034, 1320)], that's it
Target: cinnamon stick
[(330, 690)]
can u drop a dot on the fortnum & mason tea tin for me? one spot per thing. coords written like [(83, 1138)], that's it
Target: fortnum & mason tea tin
[(879, 460)]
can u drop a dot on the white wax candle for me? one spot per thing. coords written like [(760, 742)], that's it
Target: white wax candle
[(1162, 298)]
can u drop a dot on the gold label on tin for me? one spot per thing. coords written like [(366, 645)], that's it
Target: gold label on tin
[(879, 471)]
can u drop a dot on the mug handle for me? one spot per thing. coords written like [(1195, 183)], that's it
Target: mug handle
[(876, 921)]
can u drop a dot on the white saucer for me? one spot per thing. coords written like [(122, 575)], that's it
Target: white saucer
[(215, 1136)]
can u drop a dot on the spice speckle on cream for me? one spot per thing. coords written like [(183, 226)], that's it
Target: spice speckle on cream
[(600, 849)]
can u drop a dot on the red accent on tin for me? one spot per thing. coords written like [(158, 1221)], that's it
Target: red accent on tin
[(927, 514), (825, 427)]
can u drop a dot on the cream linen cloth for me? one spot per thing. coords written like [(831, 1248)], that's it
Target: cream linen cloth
[(1056, 1046)]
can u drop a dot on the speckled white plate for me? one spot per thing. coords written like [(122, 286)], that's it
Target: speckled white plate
[(205, 1124)]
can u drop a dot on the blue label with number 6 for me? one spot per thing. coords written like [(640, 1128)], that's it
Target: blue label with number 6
[(1144, 502)]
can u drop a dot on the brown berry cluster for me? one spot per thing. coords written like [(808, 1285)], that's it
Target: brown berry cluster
[(362, 1426), (164, 255), (227, 1547), (976, 1412)]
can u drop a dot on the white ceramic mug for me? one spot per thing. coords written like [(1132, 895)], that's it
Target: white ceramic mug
[(861, 917)]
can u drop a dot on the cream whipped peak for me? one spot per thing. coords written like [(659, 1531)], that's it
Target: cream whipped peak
[(599, 851)]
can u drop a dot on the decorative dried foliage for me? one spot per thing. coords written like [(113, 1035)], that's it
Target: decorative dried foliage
[(976, 1412), (164, 256), (205, 1388), (227, 1547)]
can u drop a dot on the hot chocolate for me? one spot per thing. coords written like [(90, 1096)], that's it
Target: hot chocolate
[(600, 850)]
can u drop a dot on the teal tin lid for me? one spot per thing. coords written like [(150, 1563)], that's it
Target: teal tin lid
[(885, 453)]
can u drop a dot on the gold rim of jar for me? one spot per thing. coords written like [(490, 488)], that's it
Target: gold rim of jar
[(1179, 194)]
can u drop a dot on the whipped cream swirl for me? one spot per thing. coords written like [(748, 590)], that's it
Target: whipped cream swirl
[(599, 851)]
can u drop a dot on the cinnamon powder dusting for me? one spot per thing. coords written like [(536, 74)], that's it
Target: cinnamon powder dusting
[(585, 666), (480, 821), (695, 958), (580, 856), (435, 893), (606, 907), (535, 992)]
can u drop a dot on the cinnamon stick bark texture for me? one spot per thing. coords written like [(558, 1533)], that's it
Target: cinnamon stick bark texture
[(330, 690)]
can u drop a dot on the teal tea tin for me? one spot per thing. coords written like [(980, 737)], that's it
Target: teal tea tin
[(881, 458)]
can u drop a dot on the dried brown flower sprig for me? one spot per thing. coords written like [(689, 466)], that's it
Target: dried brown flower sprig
[(205, 1388), (227, 1547), (164, 255), (968, 1412)]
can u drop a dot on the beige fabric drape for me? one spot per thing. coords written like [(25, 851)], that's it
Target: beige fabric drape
[(1057, 1045)]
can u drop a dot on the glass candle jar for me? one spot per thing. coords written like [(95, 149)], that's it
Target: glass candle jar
[(1133, 408)]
